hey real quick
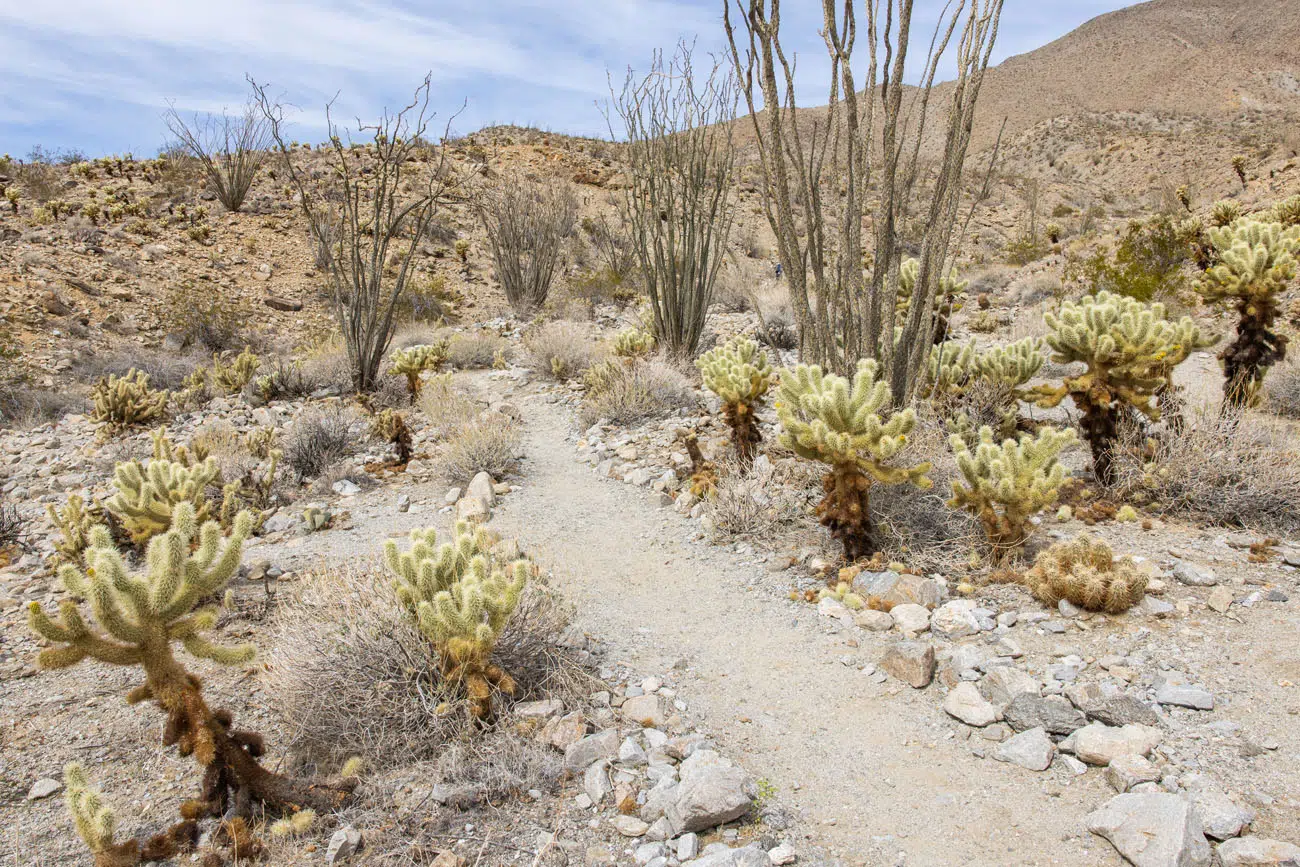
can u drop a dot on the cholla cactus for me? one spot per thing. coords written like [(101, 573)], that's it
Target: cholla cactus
[(1085, 572), (1053, 232), (1128, 347), (829, 419), (75, 522), (96, 826), (1225, 213), (1239, 166), (148, 495), (123, 401), (949, 288), (738, 373), (843, 592), (413, 361), (957, 370), (187, 456), (1184, 195), (1287, 212), (1007, 484), (231, 378), (461, 601), (390, 426), (1256, 262), (135, 619), (634, 343)]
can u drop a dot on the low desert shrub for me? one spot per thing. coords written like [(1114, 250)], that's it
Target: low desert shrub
[(476, 350), (1283, 389), (11, 526), (560, 350), (318, 439), (1232, 468), (353, 676), (284, 380), (447, 407), (767, 504), (489, 443), (630, 393)]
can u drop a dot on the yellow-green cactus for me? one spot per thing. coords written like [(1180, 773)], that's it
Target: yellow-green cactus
[(1085, 572), (1287, 212), (829, 419), (461, 600), (949, 288), (137, 619), (1004, 485), (956, 369), (231, 378), (1128, 347), (1225, 213), (739, 374), (843, 592), (1256, 263), (391, 427), (415, 360), (148, 495), (97, 826), (634, 343), (75, 522), (124, 401)]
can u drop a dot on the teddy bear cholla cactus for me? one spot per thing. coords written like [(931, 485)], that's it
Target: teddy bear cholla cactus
[(415, 360), (148, 494), (738, 373), (949, 288), (391, 427), (1256, 262), (957, 370), (136, 619), (97, 827), (634, 343), (829, 419), (231, 378), (123, 401), (461, 600), (1005, 484), (1085, 572), (1128, 347)]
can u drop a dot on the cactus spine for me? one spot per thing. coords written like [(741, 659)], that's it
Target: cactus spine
[(738, 373), (1256, 262), (136, 619), (461, 601), (1084, 571), (1128, 347), (123, 401), (829, 419), (1007, 484)]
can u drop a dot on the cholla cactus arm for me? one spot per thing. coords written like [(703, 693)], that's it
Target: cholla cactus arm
[(739, 374), (1256, 263), (147, 495), (96, 826), (829, 419), (75, 522), (1005, 484)]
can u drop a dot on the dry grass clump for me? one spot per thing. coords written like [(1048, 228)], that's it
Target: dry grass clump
[(353, 676), (773, 501), (490, 443), (561, 350), (1283, 389), (476, 350), (166, 370), (22, 406), (447, 407), (628, 394), (318, 439), (1228, 468)]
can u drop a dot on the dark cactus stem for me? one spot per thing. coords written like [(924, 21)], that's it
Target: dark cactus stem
[(1256, 349), (1100, 425), (745, 434), (846, 510)]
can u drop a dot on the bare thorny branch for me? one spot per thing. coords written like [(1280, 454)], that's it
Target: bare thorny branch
[(822, 174), (376, 197), (231, 150)]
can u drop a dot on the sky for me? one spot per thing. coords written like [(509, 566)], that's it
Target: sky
[(97, 76)]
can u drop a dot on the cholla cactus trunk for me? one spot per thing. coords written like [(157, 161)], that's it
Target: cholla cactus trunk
[(136, 621), (845, 510), (745, 435), (1257, 348), (1100, 425)]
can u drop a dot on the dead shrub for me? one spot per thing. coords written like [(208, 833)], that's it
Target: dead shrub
[(447, 407), (23, 406), (488, 444), (166, 370), (206, 316), (560, 350), (476, 350), (1229, 468), (627, 394), (767, 504), (1283, 389), (319, 439), (12, 526), (353, 676)]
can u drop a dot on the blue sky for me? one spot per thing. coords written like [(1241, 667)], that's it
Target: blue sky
[(97, 75)]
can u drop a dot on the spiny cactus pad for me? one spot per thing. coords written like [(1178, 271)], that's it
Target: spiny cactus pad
[(461, 600), (1005, 484), (738, 372), (838, 422), (1085, 572)]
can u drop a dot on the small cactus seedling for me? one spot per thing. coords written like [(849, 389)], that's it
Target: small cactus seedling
[(1084, 571), (1004, 485), (97, 827), (739, 374), (1128, 347), (838, 422), (136, 619), (231, 378), (415, 360), (1256, 263), (124, 401), (461, 600)]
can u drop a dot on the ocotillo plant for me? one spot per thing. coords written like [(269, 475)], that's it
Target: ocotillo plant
[(1005, 484), (829, 419), (461, 601), (137, 619), (738, 373), (1127, 346), (1256, 262)]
